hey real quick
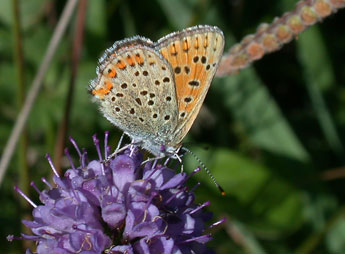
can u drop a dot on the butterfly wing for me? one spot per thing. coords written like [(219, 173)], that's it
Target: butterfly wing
[(135, 91), (194, 55)]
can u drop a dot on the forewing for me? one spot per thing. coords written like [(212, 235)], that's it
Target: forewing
[(194, 55)]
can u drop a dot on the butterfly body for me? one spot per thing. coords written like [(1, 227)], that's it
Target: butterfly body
[(154, 91)]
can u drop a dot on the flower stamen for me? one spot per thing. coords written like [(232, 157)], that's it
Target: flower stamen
[(21, 193)]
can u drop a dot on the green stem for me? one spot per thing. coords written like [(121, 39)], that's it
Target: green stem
[(76, 53), (23, 169), (19, 65)]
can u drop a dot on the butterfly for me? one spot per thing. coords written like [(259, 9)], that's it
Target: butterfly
[(154, 91)]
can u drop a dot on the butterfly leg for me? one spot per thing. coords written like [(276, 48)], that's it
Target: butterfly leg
[(132, 149), (119, 150), (166, 161), (120, 142), (153, 159), (116, 152), (179, 158)]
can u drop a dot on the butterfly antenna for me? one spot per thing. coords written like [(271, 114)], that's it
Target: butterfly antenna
[(206, 169)]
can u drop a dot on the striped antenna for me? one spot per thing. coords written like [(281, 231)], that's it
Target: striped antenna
[(206, 169)]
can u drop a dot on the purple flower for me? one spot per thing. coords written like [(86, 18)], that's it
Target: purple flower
[(117, 206)]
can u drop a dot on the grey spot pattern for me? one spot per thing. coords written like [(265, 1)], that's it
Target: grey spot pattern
[(141, 108)]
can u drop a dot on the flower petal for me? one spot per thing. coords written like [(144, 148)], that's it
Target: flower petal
[(123, 171), (114, 214)]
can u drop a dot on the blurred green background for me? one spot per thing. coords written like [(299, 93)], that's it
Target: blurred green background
[(273, 135)]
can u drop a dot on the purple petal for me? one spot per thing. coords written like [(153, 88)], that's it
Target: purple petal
[(141, 247), (160, 176), (174, 181), (123, 171), (141, 191), (142, 212), (122, 249), (162, 245), (143, 229), (96, 167), (114, 214), (78, 241)]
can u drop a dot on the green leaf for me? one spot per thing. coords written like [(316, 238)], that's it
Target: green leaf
[(335, 239), (314, 58), (178, 12), (251, 106), (30, 12), (252, 186), (96, 18)]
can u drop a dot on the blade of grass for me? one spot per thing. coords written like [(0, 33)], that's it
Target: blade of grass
[(19, 65), (128, 20), (251, 105), (76, 52), (177, 12), (23, 169), (243, 237), (35, 87), (319, 75)]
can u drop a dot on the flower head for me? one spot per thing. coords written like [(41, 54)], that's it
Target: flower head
[(117, 206)]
